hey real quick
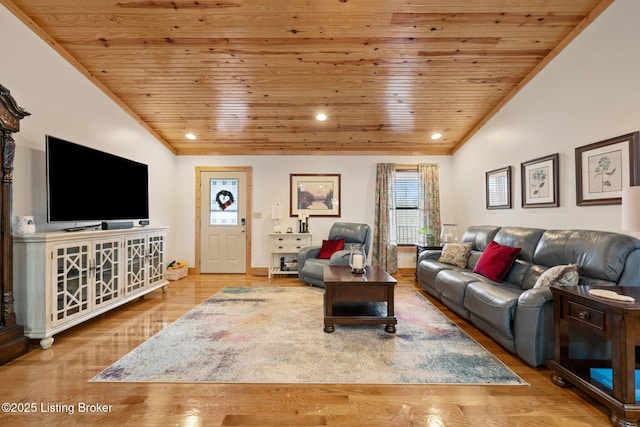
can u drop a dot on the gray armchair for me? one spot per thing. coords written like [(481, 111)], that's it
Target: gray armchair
[(310, 268)]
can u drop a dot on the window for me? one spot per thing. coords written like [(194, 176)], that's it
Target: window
[(222, 209), (407, 207)]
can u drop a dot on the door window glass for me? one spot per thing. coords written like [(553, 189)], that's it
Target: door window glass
[(223, 206)]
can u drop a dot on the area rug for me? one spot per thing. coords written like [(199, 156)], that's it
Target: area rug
[(275, 335)]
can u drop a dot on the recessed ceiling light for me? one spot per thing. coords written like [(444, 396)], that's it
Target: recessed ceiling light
[(190, 136), (321, 117), (436, 136)]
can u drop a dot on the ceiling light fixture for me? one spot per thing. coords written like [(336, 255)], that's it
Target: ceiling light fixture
[(321, 117), (190, 136), (436, 136)]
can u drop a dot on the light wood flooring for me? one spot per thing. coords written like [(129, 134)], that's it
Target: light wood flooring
[(57, 379)]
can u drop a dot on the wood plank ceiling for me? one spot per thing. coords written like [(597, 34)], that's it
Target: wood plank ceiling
[(249, 76)]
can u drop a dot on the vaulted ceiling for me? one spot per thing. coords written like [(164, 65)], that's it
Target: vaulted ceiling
[(249, 76)]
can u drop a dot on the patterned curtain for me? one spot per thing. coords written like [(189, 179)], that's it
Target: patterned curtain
[(384, 247), (429, 187)]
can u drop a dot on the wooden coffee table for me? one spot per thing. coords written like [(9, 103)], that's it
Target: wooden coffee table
[(342, 289)]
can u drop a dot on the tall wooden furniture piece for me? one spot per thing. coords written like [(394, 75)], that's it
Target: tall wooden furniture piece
[(13, 343)]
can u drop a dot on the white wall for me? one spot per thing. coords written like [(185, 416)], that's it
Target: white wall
[(63, 103), (271, 185), (589, 93)]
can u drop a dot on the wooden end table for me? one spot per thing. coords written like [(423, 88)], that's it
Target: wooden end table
[(619, 322), (341, 286)]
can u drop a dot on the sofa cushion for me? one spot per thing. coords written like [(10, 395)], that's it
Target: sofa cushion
[(329, 247), (495, 261), (428, 270), (452, 283), (560, 274), (600, 254), (524, 238), (495, 304), (455, 254), (480, 236)]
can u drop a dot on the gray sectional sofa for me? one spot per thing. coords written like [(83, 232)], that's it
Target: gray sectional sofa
[(513, 312)]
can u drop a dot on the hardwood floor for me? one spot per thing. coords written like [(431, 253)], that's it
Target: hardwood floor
[(53, 383)]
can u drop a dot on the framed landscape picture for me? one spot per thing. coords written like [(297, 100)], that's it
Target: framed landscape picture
[(540, 187), (315, 194), (498, 188), (603, 168)]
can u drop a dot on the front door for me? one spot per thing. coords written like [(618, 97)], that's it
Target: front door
[(223, 220)]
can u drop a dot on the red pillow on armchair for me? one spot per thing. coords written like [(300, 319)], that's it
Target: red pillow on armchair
[(496, 260), (329, 247)]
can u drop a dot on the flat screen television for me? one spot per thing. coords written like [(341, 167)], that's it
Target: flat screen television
[(84, 184)]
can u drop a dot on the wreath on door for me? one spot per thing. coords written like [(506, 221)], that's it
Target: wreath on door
[(224, 199)]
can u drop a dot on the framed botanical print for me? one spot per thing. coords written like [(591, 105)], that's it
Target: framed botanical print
[(314, 195), (604, 167), (498, 188), (540, 186)]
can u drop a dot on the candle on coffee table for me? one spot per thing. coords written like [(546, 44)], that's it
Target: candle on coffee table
[(357, 262)]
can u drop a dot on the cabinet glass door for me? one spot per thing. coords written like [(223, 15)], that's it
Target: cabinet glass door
[(156, 258), (136, 263), (71, 276), (108, 286)]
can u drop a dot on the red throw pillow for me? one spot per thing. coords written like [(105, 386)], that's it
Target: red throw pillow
[(329, 247), (496, 260)]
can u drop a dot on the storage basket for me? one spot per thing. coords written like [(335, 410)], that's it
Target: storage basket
[(178, 273)]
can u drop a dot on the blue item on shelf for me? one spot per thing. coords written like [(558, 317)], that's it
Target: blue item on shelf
[(605, 377)]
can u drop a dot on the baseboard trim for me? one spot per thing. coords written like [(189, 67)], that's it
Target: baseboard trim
[(260, 272)]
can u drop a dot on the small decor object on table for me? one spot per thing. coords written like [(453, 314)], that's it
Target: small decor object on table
[(449, 233), (25, 225), (427, 237), (276, 215), (357, 259), (303, 220)]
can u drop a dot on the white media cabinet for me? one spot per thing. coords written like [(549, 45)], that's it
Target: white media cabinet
[(65, 278)]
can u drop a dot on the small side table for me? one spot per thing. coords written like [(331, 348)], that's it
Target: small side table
[(619, 322), (285, 245)]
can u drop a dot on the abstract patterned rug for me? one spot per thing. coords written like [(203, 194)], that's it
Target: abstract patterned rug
[(275, 335)]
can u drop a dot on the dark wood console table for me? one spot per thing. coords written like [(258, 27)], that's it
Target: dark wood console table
[(619, 323)]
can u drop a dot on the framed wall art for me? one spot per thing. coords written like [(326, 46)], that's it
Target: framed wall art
[(540, 187), (498, 188), (603, 168), (315, 194)]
